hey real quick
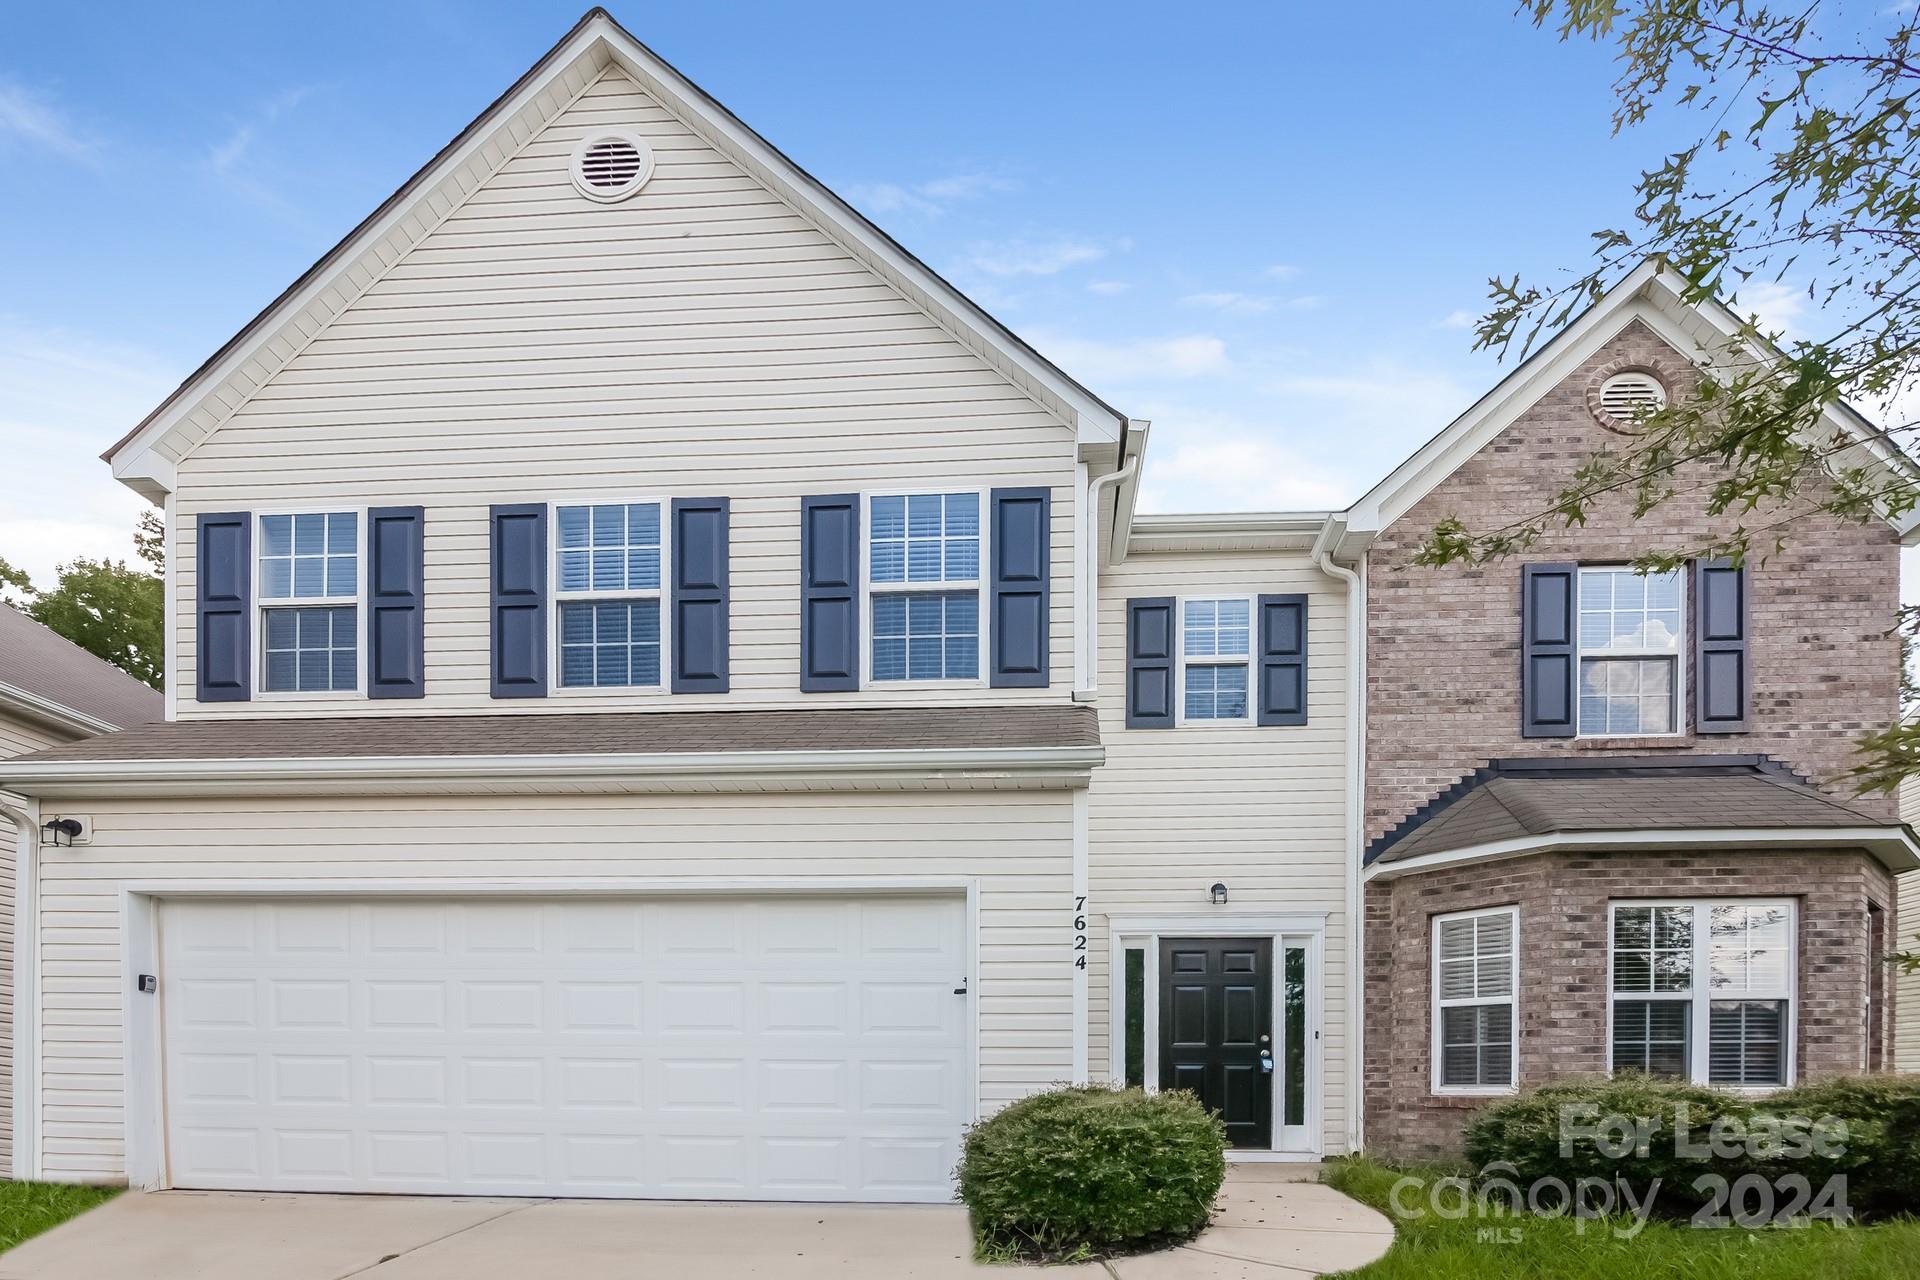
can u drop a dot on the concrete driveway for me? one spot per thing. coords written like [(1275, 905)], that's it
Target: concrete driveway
[(1267, 1226)]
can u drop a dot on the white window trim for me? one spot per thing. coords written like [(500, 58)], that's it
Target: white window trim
[(1180, 659), (1436, 1004), (979, 586), (257, 624), (556, 598), (1679, 656), (1701, 995)]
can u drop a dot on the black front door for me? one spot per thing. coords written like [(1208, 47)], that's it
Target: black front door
[(1216, 1023)]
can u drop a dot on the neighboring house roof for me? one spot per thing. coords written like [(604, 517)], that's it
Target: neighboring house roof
[(46, 677), (1519, 806), (700, 743), (145, 458), (1708, 333)]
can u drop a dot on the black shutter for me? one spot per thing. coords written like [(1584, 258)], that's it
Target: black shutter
[(223, 571), (396, 603), (519, 600), (830, 593), (1283, 660), (699, 595), (1020, 586), (1722, 675), (1150, 663), (1549, 657)]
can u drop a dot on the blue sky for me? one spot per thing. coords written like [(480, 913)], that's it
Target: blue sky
[(1265, 227)]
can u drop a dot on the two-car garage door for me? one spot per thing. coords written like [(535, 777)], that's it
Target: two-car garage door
[(792, 1048)]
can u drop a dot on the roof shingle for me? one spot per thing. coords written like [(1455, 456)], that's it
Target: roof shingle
[(48, 665)]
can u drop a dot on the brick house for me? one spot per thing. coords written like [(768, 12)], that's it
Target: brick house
[(1589, 790)]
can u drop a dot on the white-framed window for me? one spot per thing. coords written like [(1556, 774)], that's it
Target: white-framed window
[(1631, 668), (1703, 990), (1214, 650), (609, 599), (307, 589), (1476, 1028), (926, 620)]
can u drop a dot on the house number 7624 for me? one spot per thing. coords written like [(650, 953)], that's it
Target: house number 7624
[(1080, 931)]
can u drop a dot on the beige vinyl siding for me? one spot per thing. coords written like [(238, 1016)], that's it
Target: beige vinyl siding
[(1906, 996), (699, 339), (1262, 809), (17, 737), (1018, 845)]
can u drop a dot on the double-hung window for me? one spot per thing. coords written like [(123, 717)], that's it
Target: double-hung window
[(309, 590), (1216, 643), (1630, 659), (608, 565), (923, 582), (1703, 991), (1475, 958)]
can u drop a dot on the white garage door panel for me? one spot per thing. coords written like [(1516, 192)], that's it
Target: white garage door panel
[(767, 1048)]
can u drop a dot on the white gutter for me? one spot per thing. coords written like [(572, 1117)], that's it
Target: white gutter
[(54, 713), (1330, 533), (1891, 844), (1095, 493), (677, 764), (25, 813)]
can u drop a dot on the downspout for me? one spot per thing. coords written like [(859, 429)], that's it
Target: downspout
[(1096, 493), (1356, 792), (25, 813)]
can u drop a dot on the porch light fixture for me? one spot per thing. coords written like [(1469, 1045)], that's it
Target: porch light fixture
[(1219, 892), (54, 828)]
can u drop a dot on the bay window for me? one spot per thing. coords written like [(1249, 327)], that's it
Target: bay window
[(1475, 960)]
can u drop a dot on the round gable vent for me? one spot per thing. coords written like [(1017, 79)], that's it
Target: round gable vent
[(612, 165), (1625, 398)]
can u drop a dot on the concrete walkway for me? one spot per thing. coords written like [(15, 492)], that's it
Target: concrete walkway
[(1269, 1225)]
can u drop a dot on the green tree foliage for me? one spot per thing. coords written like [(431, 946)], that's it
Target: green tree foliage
[(112, 610), (1802, 179)]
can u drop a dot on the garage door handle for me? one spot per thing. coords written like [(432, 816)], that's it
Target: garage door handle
[(961, 989)]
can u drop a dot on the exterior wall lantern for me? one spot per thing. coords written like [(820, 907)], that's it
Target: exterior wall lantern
[(1219, 893), (54, 828)]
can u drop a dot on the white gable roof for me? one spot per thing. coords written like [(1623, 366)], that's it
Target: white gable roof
[(1652, 294), (146, 457)]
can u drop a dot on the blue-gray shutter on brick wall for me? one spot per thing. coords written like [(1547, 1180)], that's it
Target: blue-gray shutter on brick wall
[(223, 570), (1549, 658), (519, 600), (1019, 544), (396, 603), (1722, 675), (1150, 663), (1283, 660), (699, 595), (830, 593)]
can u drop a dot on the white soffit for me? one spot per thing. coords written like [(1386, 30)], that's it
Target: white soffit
[(146, 457)]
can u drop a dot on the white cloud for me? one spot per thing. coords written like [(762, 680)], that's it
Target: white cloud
[(1461, 319), (930, 198), (1108, 288), (63, 398), (1219, 463), (1774, 305), (226, 159), (1131, 362), (32, 119), (1236, 303), (1033, 257), (1283, 271)]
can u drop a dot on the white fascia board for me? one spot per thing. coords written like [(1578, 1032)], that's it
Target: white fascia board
[(1893, 845), (47, 711), (70, 777)]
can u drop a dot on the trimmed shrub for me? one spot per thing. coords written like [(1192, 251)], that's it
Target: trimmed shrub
[(1092, 1170), (1866, 1128)]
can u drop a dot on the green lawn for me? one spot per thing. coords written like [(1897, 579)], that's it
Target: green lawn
[(1551, 1248), (28, 1208)]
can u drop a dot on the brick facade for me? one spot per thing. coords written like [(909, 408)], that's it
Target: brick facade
[(1443, 645), (1562, 899), (1443, 675)]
